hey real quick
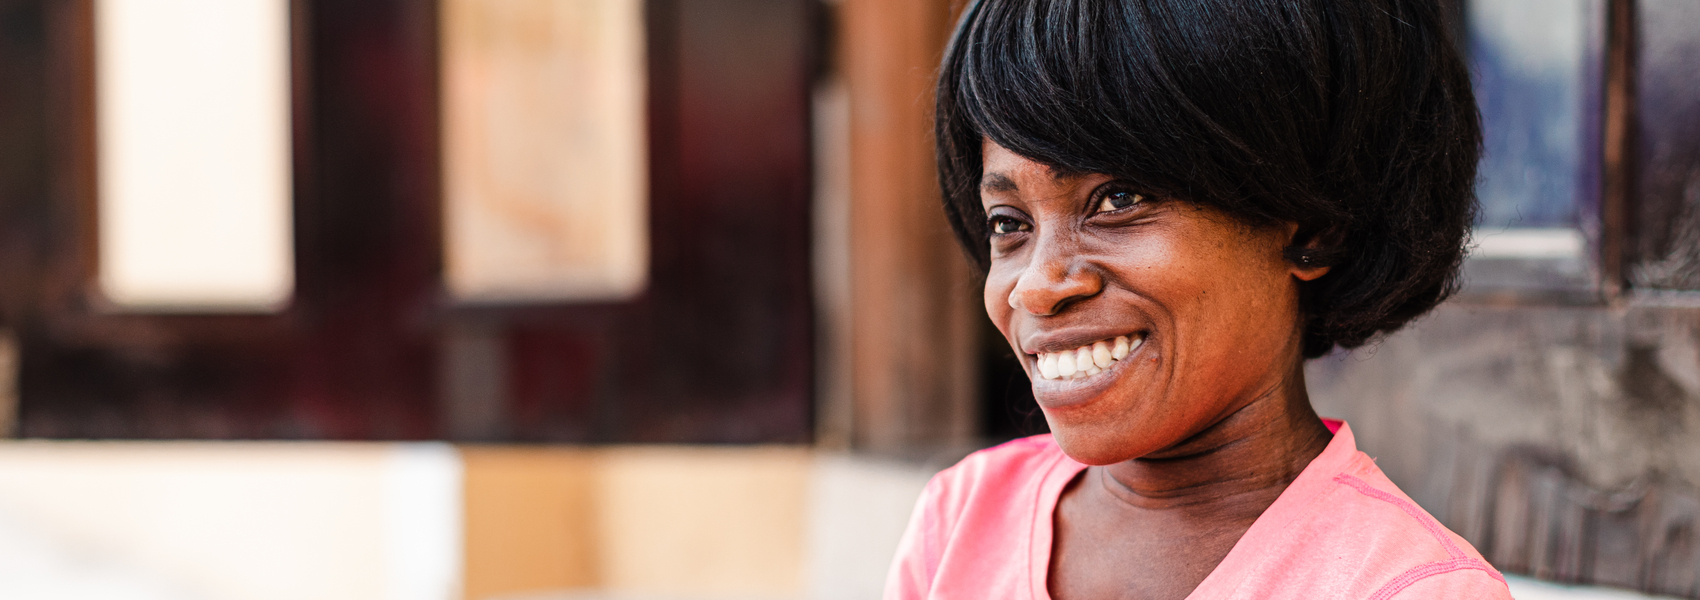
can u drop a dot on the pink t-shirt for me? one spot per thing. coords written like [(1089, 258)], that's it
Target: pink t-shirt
[(982, 531)]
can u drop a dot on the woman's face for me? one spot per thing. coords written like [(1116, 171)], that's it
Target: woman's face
[(1141, 320)]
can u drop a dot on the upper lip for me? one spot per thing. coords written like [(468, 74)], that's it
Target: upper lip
[(1069, 338)]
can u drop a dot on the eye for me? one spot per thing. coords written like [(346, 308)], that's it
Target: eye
[(1115, 200), (1003, 225)]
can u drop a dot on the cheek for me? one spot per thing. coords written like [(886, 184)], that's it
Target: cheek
[(1241, 305), (999, 284), (1159, 267), (1220, 286)]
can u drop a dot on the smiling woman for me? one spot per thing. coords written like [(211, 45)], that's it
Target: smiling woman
[(1207, 306), (1175, 204)]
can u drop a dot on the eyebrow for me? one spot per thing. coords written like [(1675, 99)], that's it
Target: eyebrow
[(1060, 173), (997, 182)]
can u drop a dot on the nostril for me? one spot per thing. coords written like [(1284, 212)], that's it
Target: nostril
[(1015, 300), (1045, 294), (1035, 302)]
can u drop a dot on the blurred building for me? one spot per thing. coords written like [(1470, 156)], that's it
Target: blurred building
[(566, 298), (1549, 414)]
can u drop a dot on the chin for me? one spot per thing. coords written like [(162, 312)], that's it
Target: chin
[(1090, 444)]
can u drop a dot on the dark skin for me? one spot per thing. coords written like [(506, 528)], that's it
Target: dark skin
[(1195, 433)]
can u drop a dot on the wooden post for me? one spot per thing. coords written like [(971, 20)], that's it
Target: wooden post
[(913, 299), (1619, 167)]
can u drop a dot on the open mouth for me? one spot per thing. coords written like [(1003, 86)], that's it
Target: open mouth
[(1087, 360)]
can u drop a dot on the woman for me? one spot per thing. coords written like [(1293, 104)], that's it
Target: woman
[(1175, 203)]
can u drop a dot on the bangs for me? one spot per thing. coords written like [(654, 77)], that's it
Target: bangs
[(1162, 94), (1352, 119)]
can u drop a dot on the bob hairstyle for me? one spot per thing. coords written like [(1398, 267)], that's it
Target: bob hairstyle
[(1352, 118)]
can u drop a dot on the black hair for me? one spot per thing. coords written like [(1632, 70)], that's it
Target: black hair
[(1352, 118)]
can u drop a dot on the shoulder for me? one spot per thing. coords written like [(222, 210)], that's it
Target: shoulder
[(1344, 527), (995, 480), (1405, 548), (971, 529), (1457, 583), (1019, 458)]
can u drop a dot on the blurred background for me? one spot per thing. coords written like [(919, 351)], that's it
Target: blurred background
[(502, 299)]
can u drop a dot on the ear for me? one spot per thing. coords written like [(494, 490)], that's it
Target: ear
[(1308, 253)]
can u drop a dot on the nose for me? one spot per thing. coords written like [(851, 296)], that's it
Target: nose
[(1054, 279)]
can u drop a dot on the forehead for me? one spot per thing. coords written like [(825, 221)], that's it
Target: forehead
[(1004, 171)]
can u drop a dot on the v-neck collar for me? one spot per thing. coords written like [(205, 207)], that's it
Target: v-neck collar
[(1221, 580)]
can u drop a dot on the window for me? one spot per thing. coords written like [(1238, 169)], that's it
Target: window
[(545, 175), (346, 163), (1536, 65), (1663, 236), (193, 102)]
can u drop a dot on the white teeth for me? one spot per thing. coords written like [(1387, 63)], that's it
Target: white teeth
[(1048, 366), (1087, 360)]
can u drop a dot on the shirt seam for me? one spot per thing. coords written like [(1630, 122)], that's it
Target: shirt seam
[(1457, 560), (1429, 524), (1424, 571)]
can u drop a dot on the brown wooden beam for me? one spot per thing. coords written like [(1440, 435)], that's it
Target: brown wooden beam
[(914, 302), (1618, 170)]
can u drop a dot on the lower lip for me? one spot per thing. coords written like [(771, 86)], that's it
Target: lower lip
[(1069, 393)]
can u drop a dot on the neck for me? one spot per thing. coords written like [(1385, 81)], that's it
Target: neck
[(1244, 459)]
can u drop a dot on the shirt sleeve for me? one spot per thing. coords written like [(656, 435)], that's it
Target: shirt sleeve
[(1472, 584), (911, 575)]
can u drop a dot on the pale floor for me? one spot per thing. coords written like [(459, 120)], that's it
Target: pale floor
[(1523, 588), (857, 509)]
